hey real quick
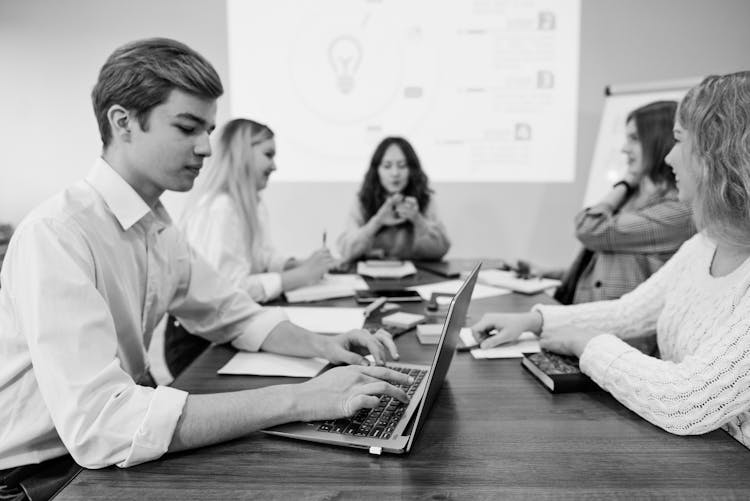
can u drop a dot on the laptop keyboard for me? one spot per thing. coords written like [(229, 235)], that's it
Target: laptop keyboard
[(380, 421)]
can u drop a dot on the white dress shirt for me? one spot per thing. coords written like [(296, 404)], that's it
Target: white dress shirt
[(216, 231), (87, 277)]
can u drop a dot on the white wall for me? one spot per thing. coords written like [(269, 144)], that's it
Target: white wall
[(51, 52)]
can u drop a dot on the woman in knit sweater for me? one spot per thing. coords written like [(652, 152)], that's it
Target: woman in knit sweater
[(698, 302)]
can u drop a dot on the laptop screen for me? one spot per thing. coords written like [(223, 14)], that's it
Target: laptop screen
[(454, 321)]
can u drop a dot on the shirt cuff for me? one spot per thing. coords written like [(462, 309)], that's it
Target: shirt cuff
[(259, 328), (600, 353), (271, 283), (155, 433)]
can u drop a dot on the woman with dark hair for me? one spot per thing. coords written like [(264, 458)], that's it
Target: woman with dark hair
[(698, 303), (394, 215), (638, 225)]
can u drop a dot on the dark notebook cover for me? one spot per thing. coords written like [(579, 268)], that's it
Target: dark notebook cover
[(558, 373), (442, 268)]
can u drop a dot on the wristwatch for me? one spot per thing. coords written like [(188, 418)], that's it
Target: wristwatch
[(628, 189)]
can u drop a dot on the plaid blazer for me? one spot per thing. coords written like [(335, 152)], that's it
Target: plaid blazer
[(630, 245)]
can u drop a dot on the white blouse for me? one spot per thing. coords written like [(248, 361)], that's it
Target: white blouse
[(215, 230)]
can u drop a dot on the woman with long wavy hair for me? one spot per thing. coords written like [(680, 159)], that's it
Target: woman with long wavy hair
[(394, 215), (698, 303)]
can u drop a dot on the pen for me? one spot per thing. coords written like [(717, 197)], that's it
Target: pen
[(374, 306), (468, 348), (324, 238)]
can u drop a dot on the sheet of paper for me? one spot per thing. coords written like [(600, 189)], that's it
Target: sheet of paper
[(452, 286), (527, 343), (509, 280), (332, 286), (271, 364), (329, 320)]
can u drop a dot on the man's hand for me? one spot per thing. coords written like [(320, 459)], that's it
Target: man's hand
[(347, 348), (508, 327), (342, 391)]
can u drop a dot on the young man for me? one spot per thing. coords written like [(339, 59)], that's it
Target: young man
[(90, 272)]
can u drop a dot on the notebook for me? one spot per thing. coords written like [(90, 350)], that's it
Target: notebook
[(393, 426), (330, 287), (443, 268), (510, 280)]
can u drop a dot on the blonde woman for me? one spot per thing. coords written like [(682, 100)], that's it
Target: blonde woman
[(228, 222), (698, 302)]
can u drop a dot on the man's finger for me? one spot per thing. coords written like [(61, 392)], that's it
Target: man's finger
[(359, 401), (383, 388), (387, 374), (343, 355), (385, 337), (373, 344)]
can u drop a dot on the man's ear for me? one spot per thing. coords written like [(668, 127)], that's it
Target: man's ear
[(120, 121)]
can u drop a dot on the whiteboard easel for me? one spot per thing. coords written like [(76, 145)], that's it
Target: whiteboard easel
[(608, 164)]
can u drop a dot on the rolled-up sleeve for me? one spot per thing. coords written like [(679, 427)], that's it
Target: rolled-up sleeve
[(211, 306), (101, 415)]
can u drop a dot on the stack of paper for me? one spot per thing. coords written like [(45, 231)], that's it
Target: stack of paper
[(332, 286), (271, 364), (509, 280), (526, 343), (389, 269), (452, 286)]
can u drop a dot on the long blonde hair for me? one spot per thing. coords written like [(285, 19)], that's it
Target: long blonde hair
[(233, 173)]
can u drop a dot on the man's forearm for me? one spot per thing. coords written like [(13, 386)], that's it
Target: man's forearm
[(290, 339), (214, 418)]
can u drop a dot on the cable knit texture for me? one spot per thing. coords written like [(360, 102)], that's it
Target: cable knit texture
[(702, 323)]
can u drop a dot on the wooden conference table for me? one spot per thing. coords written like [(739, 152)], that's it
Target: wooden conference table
[(493, 433)]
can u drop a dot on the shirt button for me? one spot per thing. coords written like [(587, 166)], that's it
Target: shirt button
[(598, 284)]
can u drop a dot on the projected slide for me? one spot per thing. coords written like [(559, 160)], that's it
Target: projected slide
[(486, 90)]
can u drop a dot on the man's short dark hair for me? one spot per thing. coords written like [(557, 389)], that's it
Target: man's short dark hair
[(140, 75)]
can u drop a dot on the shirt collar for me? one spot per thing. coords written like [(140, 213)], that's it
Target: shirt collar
[(125, 203)]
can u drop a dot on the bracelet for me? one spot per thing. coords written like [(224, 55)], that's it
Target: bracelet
[(628, 189), (541, 320)]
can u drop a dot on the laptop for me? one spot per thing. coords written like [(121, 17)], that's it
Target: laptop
[(392, 426), (443, 268)]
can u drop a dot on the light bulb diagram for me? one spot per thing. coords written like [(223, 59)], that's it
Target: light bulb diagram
[(345, 56)]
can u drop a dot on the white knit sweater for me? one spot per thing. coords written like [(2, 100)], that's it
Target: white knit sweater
[(702, 323)]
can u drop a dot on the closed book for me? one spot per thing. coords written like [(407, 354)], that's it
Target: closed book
[(558, 373)]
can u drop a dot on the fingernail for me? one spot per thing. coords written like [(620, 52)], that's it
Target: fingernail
[(411, 380)]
